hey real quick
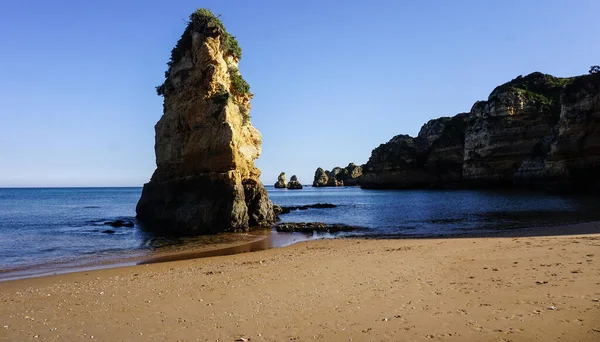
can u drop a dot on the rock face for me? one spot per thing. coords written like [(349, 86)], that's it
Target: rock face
[(352, 174), (338, 176), (321, 178), (573, 164), (294, 184), (536, 131), (503, 131), (432, 159), (280, 181), (205, 180)]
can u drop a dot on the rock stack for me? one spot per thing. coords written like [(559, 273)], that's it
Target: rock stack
[(280, 184), (294, 183), (205, 180)]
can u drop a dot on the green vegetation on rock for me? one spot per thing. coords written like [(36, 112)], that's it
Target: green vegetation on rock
[(205, 22), (238, 84)]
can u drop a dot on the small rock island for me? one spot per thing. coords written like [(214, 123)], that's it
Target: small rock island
[(205, 181), (348, 176), (280, 184), (294, 183)]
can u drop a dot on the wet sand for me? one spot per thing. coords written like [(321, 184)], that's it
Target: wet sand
[(533, 285)]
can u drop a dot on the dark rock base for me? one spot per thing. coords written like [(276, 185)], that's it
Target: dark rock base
[(204, 204), (286, 210)]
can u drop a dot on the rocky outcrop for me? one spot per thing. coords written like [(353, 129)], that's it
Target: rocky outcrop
[(573, 164), (205, 180), (503, 131), (294, 183), (321, 178), (280, 181), (334, 177), (432, 159), (348, 176), (352, 175), (536, 131)]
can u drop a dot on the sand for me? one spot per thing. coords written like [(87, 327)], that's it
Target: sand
[(517, 287)]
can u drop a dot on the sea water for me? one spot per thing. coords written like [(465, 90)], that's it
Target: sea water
[(43, 230)]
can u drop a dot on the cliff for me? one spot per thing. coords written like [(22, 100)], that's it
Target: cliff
[(205, 180), (348, 176), (432, 159), (536, 131), (503, 131), (573, 164)]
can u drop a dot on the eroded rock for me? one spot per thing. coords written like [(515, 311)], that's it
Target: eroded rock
[(205, 180), (280, 184), (294, 183)]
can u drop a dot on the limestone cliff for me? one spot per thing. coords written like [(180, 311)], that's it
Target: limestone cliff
[(536, 131), (573, 164), (205, 180), (503, 131), (280, 184), (432, 159)]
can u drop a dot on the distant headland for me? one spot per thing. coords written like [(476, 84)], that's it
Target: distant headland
[(536, 131)]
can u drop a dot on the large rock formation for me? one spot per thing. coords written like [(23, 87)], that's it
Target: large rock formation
[(432, 159), (573, 164), (280, 181), (334, 177), (536, 131), (352, 174), (503, 131), (321, 178), (205, 180), (348, 176), (294, 183)]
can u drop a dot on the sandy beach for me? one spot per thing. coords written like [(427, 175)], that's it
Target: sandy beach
[(527, 286)]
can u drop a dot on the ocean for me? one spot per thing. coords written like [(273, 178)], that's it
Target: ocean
[(49, 230)]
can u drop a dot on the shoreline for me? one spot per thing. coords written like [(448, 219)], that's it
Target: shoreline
[(266, 239), (476, 288)]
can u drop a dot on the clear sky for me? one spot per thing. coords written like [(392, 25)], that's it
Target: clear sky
[(332, 79)]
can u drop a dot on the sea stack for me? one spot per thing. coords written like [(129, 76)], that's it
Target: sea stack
[(280, 181), (205, 181), (294, 183)]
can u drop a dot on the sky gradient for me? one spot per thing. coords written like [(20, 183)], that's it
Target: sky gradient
[(332, 79)]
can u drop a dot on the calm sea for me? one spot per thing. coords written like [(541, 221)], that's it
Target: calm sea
[(51, 229)]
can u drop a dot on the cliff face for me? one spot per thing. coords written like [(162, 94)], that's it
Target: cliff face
[(536, 131), (432, 159), (503, 131), (205, 180), (574, 160)]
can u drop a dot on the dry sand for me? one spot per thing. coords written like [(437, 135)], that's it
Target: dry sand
[(508, 288)]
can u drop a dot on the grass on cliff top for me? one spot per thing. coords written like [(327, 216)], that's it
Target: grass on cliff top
[(205, 22), (536, 82)]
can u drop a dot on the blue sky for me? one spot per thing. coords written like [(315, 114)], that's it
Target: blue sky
[(332, 79)]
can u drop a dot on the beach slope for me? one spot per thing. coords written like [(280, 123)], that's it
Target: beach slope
[(506, 288)]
